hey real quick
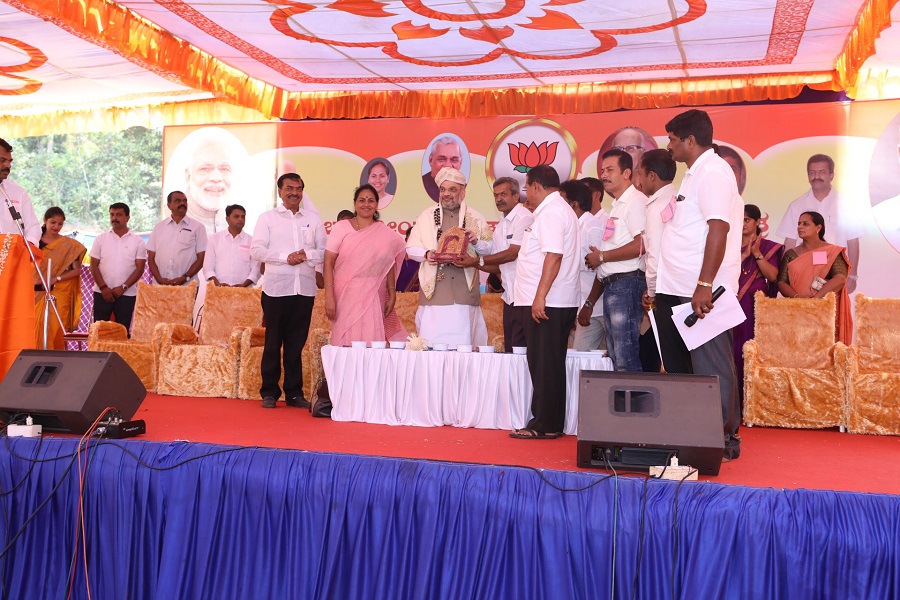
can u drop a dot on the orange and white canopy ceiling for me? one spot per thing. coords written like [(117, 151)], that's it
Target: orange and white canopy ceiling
[(64, 59)]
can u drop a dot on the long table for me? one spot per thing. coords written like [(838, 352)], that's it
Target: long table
[(431, 389)]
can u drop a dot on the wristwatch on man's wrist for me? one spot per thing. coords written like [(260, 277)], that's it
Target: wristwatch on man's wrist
[(124, 287), (589, 304)]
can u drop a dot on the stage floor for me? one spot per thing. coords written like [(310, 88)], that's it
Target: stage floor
[(777, 458)]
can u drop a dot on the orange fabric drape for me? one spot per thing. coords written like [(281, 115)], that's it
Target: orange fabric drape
[(115, 27), (16, 299)]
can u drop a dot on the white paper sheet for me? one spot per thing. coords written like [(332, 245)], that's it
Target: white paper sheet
[(726, 313)]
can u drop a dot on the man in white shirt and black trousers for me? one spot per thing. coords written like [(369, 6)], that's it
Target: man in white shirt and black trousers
[(227, 261), (699, 251), (290, 241), (547, 289)]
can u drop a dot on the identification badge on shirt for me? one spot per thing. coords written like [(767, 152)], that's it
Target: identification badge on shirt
[(244, 252), (610, 228), (668, 210), (820, 258)]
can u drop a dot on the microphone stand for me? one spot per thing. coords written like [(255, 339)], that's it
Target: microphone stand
[(48, 297)]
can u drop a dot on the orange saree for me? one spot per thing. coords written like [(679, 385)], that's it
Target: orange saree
[(803, 270)]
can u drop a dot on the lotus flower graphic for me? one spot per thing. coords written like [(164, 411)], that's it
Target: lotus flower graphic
[(528, 157)]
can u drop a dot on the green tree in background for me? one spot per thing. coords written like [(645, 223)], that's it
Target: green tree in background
[(83, 173)]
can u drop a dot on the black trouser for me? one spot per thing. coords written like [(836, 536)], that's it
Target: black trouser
[(287, 326), (546, 342), (715, 357), (513, 327), (122, 307)]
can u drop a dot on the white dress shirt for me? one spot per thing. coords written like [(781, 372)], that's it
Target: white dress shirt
[(591, 229), (653, 232), (280, 232), (555, 230), (22, 201), (843, 221), (228, 258), (709, 192), (176, 246), (509, 232), (627, 215), (117, 256)]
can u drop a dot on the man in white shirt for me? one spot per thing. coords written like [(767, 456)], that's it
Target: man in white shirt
[(701, 250), (590, 332), (596, 187), (18, 197), (843, 224), (620, 264), (656, 172), (118, 257), (547, 291), (502, 253), (227, 261), (290, 241), (450, 297), (177, 245)]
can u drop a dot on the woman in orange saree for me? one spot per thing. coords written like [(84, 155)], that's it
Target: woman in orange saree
[(362, 259), (816, 268), (65, 255)]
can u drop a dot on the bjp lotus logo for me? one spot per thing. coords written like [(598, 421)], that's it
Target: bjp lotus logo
[(526, 144), (524, 158)]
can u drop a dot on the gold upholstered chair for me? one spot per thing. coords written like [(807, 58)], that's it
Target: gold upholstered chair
[(874, 368), (207, 365), (794, 371), (154, 305)]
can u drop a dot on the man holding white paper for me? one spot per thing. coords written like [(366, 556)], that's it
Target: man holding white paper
[(700, 250)]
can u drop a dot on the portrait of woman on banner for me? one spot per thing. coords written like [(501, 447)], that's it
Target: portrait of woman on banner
[(65, 255), (362, 260), (380, 174)]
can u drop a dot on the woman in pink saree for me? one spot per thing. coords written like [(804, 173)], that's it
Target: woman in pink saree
[(362, 259)]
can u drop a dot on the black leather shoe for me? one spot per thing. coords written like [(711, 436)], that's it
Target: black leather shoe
[(268, 402), (297, 402)]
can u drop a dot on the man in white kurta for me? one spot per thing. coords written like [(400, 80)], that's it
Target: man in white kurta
[(450, 297)]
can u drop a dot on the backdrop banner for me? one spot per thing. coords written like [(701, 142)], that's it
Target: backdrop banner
[(226, 164)]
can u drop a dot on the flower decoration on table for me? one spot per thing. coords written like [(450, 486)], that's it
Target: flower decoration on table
[(416, 343)]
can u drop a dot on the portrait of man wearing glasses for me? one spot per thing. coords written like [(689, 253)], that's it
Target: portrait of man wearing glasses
[(633, 140)]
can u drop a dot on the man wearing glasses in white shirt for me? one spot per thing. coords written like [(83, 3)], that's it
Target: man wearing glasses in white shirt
[(290, 241)]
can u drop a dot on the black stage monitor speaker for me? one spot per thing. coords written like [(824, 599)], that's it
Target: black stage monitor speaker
[(67, 391), (637, 420)]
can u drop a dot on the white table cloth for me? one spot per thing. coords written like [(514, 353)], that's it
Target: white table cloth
[(431, 389)]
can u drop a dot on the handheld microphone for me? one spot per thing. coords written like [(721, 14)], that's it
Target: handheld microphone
[(692, 318)]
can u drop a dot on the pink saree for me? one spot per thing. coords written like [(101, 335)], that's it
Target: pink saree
[(360, 285)]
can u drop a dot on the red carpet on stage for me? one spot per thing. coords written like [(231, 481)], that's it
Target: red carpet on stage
[(777, 458)]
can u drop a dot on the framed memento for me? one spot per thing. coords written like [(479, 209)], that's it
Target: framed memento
[(452, 246)]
